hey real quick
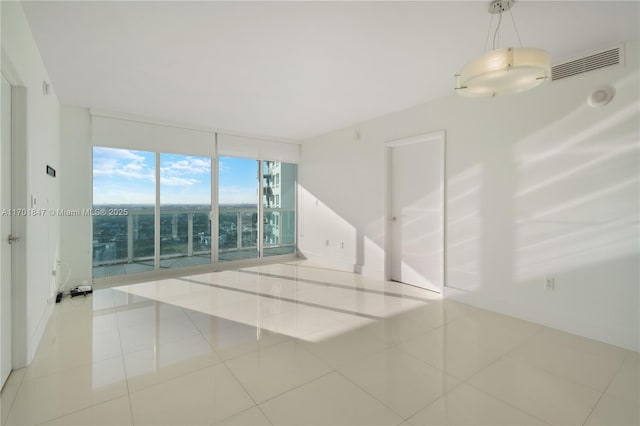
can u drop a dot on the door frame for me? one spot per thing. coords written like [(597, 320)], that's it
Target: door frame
[(19, 175), (436, 136), (6, 311)]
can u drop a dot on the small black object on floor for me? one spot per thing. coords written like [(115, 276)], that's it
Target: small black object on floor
[(80, 291)]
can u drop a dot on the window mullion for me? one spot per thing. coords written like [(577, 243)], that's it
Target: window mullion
[(156, 232)]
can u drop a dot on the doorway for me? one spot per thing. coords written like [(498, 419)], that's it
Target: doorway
[(5, 235), (416, 175)]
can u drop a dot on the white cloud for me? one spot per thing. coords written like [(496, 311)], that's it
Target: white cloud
[(122, 163), (183, 172), (187, 166), (177, 181)]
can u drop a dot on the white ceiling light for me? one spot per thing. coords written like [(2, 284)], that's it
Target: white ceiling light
[(503, 71)]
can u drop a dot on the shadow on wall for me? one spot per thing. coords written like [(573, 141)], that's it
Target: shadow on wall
[(548, 192), (464, 229), (574, 204), (576, 201), (325, 233), (570, 210), (335, 239)]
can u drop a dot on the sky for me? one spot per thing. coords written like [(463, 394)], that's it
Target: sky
[(124, 176)]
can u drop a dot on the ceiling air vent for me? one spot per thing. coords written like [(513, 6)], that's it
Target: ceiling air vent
[(606, 58)]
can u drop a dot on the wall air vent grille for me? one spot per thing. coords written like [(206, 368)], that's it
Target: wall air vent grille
[(592, 62)]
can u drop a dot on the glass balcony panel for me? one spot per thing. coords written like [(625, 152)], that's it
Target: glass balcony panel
[(109, 240), (237, 209), (201, 233), (279, 198), (185, 203), (124, 183), (143, 235)]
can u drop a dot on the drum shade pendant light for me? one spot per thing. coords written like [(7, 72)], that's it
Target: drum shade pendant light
[(503, 71)]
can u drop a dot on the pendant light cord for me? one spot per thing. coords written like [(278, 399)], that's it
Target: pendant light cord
[(486, 40), (515, 27), (496, 34), (496, 38)]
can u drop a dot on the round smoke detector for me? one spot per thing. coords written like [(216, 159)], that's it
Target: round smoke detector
[(601, 96)]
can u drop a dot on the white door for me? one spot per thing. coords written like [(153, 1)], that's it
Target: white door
[(417, 211), (5, 230)]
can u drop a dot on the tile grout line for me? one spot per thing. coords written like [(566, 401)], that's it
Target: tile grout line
[(106, 359), (396, 347), (467, 381), (264, 414), (172, 379), (147, 322), (503, 356), (507, 403), (606, 388), (177, 377), (80, 409), (256, 404), (224, 363), (223, 421), (130, 393), (331, 370), (496, 397), (241, 385), (336, 370), (371, 395), (445, 393), (568, 379), (16, 395), (124, 366), (296, 387)]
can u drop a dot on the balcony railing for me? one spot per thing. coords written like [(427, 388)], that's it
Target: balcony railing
[(186, 232)]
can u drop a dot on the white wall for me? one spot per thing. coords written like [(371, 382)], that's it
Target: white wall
[(76, 194), (39, 141), (537, 184)]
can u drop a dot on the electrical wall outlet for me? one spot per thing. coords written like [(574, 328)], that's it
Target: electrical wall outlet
[(549, 283)]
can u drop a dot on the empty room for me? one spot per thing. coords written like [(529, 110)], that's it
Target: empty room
[(320, 213)]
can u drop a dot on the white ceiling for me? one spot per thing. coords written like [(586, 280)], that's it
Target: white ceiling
[(293, 69)]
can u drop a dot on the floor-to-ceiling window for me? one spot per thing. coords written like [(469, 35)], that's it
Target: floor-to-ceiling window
[(185, 206), (124, 198), (237, 208), (279, 208), (157, 210)]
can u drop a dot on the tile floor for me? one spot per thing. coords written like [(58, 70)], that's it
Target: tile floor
[(296, 344)]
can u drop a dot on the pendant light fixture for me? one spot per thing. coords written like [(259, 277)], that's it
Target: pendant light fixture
[(503, 71)]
